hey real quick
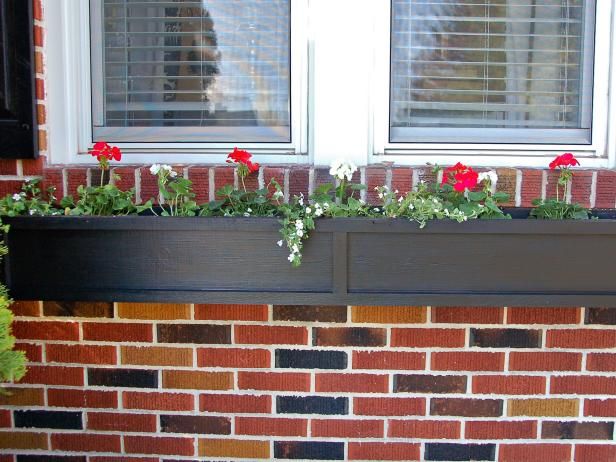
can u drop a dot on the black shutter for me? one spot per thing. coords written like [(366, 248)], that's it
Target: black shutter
[(18, 134)]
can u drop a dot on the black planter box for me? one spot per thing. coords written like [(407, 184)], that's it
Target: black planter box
[(346, 261)]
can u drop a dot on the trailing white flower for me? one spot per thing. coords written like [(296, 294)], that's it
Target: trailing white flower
[(16, 197), (280, 243), (154, 169), (342, 169), (308, 210)]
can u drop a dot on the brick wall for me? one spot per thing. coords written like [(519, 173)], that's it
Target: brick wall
[(177, 382)]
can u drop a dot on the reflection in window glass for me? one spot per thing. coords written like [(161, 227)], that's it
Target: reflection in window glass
[(212, 70), (490, 64)]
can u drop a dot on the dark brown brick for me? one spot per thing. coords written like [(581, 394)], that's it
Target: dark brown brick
[(375, 177), (577, 430), (505, 338), (210, 425), (78, 309), (305, 313), (466, 407), (417, 383), (348, 336), (298, 181), (467, 315), (26, 308), (605, 316), (194, 333), (606, 189)]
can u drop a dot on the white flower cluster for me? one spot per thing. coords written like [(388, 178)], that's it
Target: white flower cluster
[(156, 168), (342, 169), (16, 197), (491, 176)]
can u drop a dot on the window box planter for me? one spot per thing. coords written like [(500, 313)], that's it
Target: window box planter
[(346, 261)]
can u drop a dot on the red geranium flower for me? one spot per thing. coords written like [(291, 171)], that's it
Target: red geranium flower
[(103, 150), (240, 156), (564, 160), (464, 177)]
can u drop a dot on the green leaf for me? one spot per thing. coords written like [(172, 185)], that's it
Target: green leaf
[(476, 196)]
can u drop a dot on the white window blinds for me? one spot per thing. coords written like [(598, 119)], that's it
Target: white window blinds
[(497, 71), (191, 71)]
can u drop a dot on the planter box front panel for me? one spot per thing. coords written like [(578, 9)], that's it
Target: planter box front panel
[(486, 263), (346, 261)]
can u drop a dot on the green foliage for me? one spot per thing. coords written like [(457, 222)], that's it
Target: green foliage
[(100, 200), (239, 203), (176, 193), (554, 209), (29, 201), (12, 363)]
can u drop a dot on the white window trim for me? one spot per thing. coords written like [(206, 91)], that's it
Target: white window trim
[(69, 97), (333, 61), (598, 154)]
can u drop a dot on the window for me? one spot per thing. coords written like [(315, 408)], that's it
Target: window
[(492, 71), (186, 71)]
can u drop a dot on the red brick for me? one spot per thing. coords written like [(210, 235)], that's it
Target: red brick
[(467, 361), (583, 385), (8, 167), (595, 453), (339, 428), (600, 407), (85, 442), (63, 397), (122, 459), (53, 177), (285, 381), (5, 419), (127, 178), (531, 186), (232, 312), (39, 89), (110, 421), (158, 401), (298, 181), (149, 185), (74, 178), (159, 445), (33, 167), (200, 177), (606, 189), (540, 361), (492, 430), (389, 406), (426, 338), (383, 451), (223, 176), (581, 185), (37, 11), (46, 330), (424, 429), (271, 335), (352, 383), (508, 385), (604, 362), (52, 375), (375, 177), (270, 426), (550, 189), (273, 173), (389, 360), (535, 452), (80, 354), (117, 332), (581, 338), (26, 308), (34, 352), (38, 36), (233, 357), (401, 180), (527, 315), (235, 404), (467, 315)]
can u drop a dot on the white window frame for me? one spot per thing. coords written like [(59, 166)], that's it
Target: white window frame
[(69, 104), (597, 154), (340, 96)]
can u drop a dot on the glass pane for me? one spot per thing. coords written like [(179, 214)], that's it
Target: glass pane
[(180, 63), (489, 64)]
